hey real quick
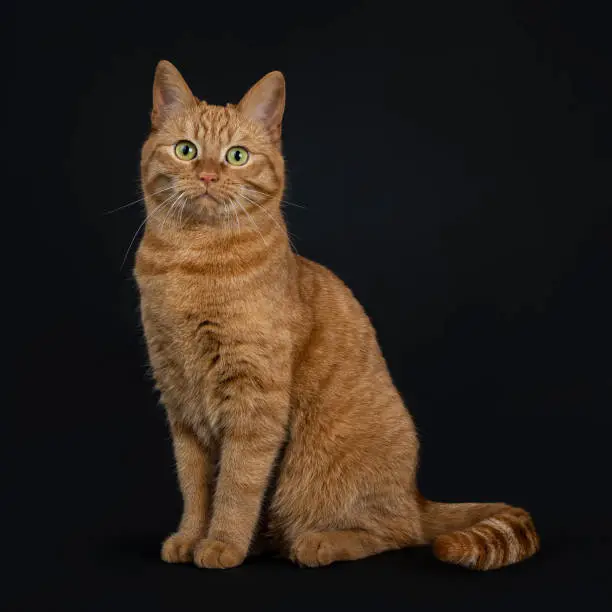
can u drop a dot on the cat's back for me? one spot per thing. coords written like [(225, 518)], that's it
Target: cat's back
[(329, 301), (339, 343)]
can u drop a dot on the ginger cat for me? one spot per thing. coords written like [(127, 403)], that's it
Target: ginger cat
[(267, 364)]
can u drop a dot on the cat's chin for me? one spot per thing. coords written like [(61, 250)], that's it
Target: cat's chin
[(207, 209), (206, 200), (205, 204)]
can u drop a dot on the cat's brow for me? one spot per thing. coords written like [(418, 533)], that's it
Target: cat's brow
[(223, 130), (237, 133)]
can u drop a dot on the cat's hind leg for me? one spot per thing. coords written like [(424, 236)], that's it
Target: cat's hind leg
[(315, 548)]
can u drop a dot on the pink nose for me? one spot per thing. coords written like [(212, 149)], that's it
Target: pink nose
[(209, 177)]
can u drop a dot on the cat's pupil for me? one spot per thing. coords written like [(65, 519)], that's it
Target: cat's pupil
[(185, 149), (237, 155)]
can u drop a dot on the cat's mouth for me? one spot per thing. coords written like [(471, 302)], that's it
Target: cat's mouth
[(207, 206), (206, 196), (202, 204), (207, 199)]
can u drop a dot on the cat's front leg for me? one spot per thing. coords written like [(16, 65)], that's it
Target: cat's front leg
[(253, 432), (194, 469)]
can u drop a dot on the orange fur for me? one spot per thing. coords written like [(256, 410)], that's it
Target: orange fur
[(264, 358)]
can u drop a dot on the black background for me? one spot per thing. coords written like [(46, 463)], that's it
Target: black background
[(455, 161)]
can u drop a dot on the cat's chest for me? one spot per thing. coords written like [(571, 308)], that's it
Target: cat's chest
[(194, 340), (186, 324)]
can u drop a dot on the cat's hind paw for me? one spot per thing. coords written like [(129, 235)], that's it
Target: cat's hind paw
[(312, 550)]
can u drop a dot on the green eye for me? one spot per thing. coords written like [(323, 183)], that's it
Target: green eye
[(185, 150), (237, 156)]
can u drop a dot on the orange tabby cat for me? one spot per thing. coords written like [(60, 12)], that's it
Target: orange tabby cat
[(267, 363)]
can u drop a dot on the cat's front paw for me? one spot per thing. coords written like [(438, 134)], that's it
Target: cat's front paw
[(178, 548), (214, 554)]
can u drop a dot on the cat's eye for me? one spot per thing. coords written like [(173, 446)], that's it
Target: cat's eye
[(237, 156), (185, 150)]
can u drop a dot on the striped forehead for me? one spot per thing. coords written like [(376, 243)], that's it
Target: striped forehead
[(216, 126)]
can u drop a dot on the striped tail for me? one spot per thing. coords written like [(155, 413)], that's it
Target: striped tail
[(479, 536)]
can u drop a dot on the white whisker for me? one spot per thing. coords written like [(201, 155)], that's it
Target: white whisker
[(108, 212), (246, 212), (225, 216), (140, 226), (237, 218), (263, 193), (170, 210), (231, 206), (182, 205), (267, 213), (282, 229)]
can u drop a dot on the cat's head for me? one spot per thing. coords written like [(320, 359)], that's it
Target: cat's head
[(207, 164)]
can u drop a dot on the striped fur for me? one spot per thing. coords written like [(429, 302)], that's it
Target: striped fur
[(270, 370), (503, 539)]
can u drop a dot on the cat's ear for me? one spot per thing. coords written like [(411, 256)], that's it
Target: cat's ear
[(265, 102), (170, 93)]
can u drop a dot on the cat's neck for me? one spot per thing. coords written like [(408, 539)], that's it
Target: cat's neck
[(248, 236)]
